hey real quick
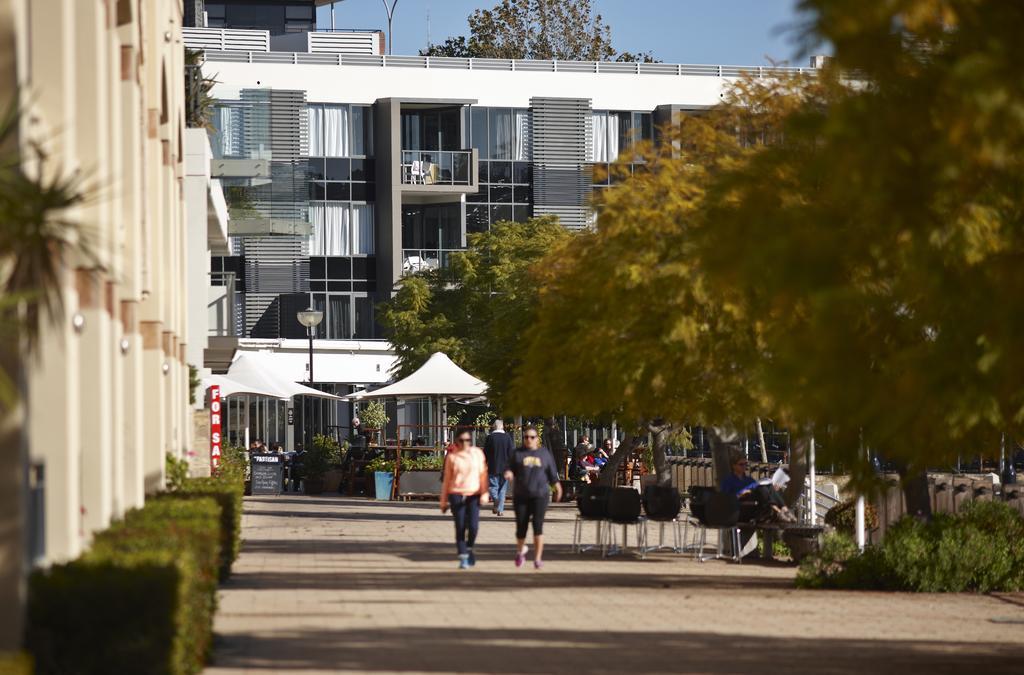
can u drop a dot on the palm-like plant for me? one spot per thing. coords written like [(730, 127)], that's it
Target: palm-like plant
[(34, 242)]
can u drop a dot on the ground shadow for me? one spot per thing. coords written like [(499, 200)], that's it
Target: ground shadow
[(442, 649)]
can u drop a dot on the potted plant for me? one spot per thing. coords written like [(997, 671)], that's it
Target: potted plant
[(421, 476), (383, 472), (374, 417), (317, 461)]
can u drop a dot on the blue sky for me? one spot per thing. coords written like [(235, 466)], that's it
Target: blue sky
[(728, 32)]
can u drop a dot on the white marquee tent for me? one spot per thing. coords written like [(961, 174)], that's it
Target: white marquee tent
[(439, 376)]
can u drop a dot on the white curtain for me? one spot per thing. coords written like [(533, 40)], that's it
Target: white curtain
[(522, 136), (332, 233), (362, 229), (328, 131), (613, 137), (604, 130)]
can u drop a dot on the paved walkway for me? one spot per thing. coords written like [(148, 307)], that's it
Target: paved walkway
[(346, 585)]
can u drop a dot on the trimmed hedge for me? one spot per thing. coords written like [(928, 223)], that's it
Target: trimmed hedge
[(15, 663), (141, 600), (227, 490), (118, 616), (980, 549)]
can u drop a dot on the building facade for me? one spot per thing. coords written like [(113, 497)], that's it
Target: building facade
[(100, 87), (381, 166)]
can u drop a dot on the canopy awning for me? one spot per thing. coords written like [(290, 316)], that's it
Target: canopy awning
[(439, 376), (230, 387), (262, 372)]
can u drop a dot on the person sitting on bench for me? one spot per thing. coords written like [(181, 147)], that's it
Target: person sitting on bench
[(757, 502)]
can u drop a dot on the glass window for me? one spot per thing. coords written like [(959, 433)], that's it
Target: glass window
[(500, 213), (524, 194), (364, 192), (329, 133), (317, 191), (522, 173), (338, 268), (338, 169), (501, 195), (476, 218), (478, 132), (521, 214), (298, 12), (339, 319), (501, 172), (338, 191), (317, 268), (362, 169), (364, 318), (500, 123), (362, 130), (315, 168)]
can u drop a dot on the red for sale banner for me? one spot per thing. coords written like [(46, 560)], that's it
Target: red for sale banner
[(215, 427)]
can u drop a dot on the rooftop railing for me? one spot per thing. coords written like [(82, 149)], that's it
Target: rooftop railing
[(523, 65)]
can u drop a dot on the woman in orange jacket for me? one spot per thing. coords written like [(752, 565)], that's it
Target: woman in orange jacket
[(464, 489)]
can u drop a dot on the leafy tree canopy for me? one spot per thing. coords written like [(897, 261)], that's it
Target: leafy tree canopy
[(536, 29), (477, 310)]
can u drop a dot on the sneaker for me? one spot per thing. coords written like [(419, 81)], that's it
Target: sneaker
[(538, 564), (464, 561), (472, 558), (521, 557)]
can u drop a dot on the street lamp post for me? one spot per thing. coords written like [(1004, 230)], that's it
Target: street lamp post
[(310, 318)]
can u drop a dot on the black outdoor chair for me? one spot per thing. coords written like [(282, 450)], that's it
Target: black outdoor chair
[(624, 509), (591, 506), (663, 504), (720, 511)]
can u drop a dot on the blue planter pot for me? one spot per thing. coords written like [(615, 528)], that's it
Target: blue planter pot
[(383, 480)]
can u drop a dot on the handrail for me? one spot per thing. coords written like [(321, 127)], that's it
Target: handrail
[(529, 65)]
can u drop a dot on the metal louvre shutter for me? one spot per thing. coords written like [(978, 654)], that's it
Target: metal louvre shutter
[(273, 265), (562, 177)]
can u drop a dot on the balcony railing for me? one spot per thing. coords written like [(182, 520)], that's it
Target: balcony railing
[(437, 167)]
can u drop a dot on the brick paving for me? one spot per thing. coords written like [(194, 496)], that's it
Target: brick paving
[(330, 585)]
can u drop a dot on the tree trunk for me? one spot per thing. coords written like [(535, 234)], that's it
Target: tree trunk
[(799, 454), (724, 442), (621, 453), (660, 431), (555, 442), (915, 492), (760, 438)]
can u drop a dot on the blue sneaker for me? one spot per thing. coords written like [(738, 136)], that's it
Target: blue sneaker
[(472, 558), (464, 561)]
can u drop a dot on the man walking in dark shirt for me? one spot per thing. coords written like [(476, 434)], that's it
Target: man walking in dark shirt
[(498, 448)]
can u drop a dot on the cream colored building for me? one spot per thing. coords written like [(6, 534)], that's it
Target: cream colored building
[(101, 86)]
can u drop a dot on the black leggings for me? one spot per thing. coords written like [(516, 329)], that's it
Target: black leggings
[(466, 510), (527, 508), (757, 504)]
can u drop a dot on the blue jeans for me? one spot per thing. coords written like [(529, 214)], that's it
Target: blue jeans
[(497, 486), (466, 511)]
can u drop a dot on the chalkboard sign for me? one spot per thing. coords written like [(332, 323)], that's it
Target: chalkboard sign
[(267, 474)]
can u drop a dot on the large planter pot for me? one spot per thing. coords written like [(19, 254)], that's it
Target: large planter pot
[(382, 481), (419, 484), (313, 486)]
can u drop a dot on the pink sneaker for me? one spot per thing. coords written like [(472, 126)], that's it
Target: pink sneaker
[(520, 558), (538, 564)]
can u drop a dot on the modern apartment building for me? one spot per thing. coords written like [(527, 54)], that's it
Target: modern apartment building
[(100, 86), (382, 165)]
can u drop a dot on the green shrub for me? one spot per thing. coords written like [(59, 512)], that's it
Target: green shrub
[(115, 616), (227, 490), (142, 599), (176, 470), (981, 549), (319, 459)]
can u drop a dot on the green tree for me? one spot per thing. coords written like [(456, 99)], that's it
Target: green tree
[(879, 248), (536, 29), (626, 324), (479, 308)]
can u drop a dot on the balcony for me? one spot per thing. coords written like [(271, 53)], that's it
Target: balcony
[(434, 171)]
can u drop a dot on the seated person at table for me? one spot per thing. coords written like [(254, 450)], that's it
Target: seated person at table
[(757, 502)]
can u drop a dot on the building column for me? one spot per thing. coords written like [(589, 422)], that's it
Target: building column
[(134, 410), (96, 396), (117, 403), (54, 438), (154, 414)]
